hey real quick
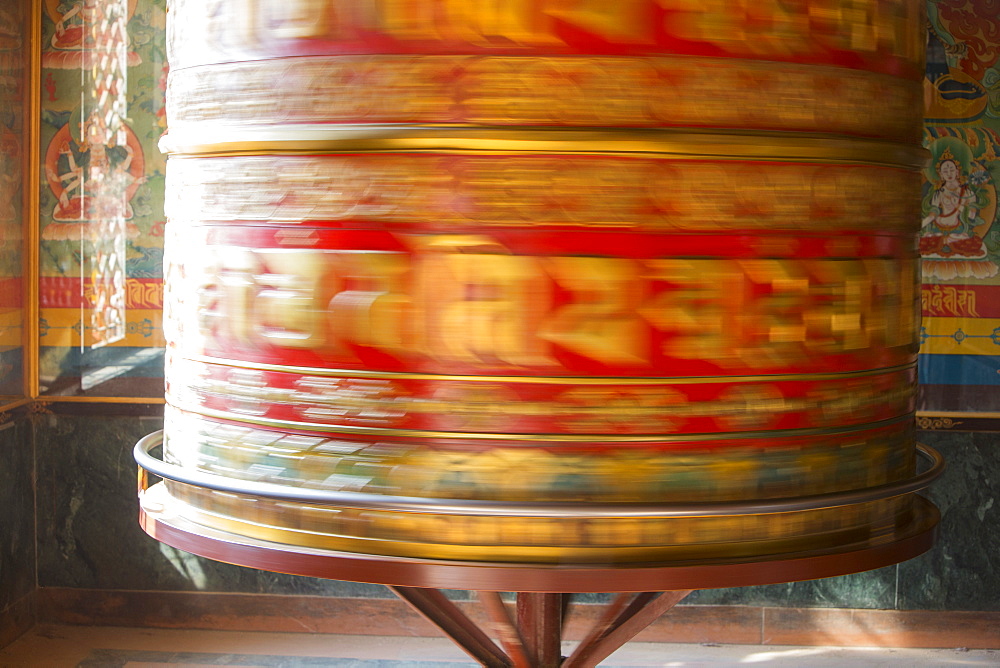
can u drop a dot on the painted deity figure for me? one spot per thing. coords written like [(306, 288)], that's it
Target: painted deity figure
[(10, 178), (951, 213), (89, 167), (83, 34), (71, 28)]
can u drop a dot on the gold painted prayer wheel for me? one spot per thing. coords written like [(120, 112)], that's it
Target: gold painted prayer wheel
[(537, 281)]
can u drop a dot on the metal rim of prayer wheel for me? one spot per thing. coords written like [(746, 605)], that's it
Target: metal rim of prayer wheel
[(159, 517)]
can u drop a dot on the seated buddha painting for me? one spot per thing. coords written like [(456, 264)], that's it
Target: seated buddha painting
[(958, 209), (71, 45)]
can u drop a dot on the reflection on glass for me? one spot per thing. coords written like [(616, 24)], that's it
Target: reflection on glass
[(100, 287), (13, 97)]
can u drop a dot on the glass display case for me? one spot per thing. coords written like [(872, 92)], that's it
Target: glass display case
[(17, 106), (100, 210)]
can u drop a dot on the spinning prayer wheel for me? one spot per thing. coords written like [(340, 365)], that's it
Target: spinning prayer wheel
[(545, 282)]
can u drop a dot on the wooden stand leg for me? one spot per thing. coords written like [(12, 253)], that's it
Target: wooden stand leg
[(539, 616), (534, 638), (620, 624), (438, 610), (505, 628)]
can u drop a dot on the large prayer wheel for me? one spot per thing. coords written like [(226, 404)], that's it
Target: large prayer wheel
[(540, 281)]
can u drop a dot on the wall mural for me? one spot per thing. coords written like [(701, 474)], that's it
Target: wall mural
[(71, 44), (13, 97), (81, 154), (960, 232)]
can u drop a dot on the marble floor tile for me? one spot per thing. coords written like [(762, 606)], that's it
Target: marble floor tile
[(113, 647)]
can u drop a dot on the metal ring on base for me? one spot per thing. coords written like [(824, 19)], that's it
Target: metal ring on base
[(158, 467)]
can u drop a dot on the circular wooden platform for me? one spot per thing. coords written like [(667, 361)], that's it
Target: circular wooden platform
[(158, 520)]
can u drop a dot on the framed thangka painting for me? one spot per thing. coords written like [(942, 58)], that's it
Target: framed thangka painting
[(102, 85), (960, 218), (15, 208)]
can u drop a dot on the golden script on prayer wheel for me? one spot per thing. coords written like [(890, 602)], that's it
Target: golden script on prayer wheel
[(588, 254)]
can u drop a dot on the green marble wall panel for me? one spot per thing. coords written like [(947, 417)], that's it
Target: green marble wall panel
[(89, 536), (870, 590), (88, 530), (17, 513), (962, 572), (874, 590)]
